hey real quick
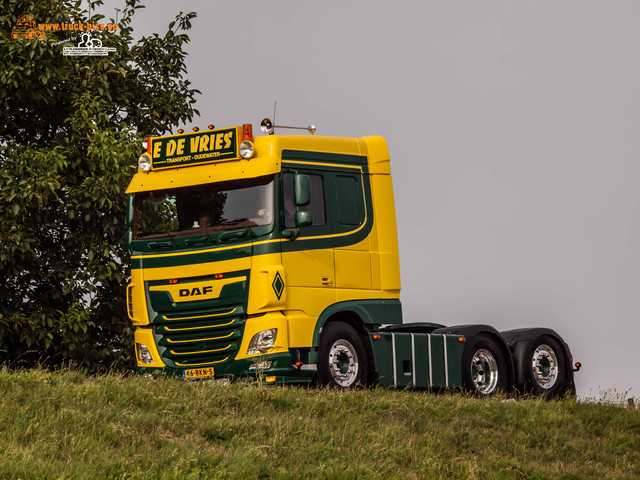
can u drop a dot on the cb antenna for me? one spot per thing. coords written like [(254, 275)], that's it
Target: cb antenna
[(274, 111)]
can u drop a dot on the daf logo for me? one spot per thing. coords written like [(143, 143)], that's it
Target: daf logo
[(186, 292)]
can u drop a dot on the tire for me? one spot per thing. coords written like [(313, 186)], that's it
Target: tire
[(485, 368), (343, 358), (546, 367)]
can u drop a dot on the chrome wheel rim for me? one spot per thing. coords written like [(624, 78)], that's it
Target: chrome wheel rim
[(484, 371), (343, 363), (544, 365)]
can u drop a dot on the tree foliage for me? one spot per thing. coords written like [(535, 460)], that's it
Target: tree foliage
[(70, 132)]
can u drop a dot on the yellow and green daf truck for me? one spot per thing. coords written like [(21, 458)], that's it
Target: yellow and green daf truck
[(277, 256)]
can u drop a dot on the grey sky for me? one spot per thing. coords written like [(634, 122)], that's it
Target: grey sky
[(513, 131)]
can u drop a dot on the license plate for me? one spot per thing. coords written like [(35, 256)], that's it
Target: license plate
[(198, 372)]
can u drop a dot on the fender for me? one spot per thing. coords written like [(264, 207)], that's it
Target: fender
[(372, 312), (519, 342), (470, 331)]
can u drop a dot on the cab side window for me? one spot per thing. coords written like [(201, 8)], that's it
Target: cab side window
[(350, 210), (316, 206)]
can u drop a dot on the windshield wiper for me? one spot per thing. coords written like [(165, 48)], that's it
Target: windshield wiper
[(206, 230), (251, 232), (164, 244), (173, 240), (232, 223)]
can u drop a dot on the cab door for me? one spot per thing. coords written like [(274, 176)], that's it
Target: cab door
[(308, 259)]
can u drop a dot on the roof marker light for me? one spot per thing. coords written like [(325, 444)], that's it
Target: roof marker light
[(376, 336), (211, 127), (180, 130), (195, 129)]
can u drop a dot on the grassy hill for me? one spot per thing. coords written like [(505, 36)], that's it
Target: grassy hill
[(69, 425)]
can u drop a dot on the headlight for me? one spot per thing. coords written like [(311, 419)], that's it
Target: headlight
[(246, 149), (262, 341), (144, 162), (144, 354)]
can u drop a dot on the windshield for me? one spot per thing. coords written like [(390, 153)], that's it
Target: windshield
[(212, 207)]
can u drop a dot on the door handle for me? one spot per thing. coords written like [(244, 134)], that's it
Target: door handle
[(327, 281)]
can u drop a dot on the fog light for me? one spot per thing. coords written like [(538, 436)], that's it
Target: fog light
[(144, 162), (260, 365), (144, 354), (246, 149), (262, 341)]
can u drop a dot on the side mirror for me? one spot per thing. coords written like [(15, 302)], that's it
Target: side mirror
[(301, 189), (303, 218), (130, 209)]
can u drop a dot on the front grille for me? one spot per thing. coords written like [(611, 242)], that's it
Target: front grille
[(200, 338)]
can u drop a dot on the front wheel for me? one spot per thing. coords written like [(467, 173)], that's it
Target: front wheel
[(343, 359), (484, 367)]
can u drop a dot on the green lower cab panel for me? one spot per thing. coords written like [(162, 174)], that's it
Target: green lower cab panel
[(417, 360)]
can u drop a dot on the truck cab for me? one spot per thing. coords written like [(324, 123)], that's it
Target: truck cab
[(237, 263)]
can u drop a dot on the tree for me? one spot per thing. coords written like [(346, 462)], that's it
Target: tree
[(70, 133)]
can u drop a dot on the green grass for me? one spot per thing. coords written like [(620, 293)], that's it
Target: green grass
[(69, 425)]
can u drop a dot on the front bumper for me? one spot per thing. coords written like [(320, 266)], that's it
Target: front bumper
[(282, 368)]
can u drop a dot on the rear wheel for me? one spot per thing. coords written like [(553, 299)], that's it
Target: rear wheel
[(546, 367), (343, 359), (484, 366)]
